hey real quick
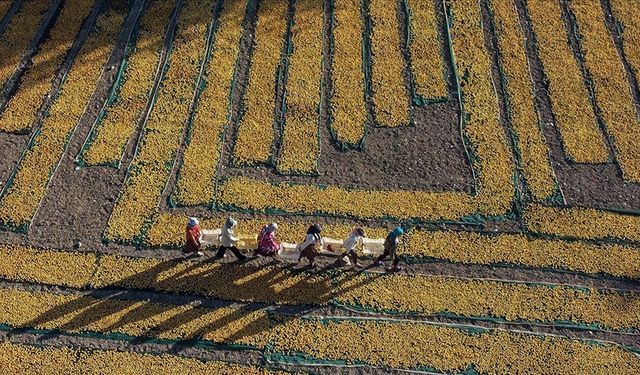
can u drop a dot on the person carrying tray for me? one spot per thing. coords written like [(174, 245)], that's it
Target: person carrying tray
[(192, 244), (391, 249), (312, 244), (350, 245), (267, 244), (228, 241)]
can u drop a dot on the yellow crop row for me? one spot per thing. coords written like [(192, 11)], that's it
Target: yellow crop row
[(255, 131), (202, 155), (121, 117), (534, 152), (587, 223), (21, 201), (253, 194), (480, 103), (464, 247), (163, 132), (348, 110), (390, 101), (72, 313), (400, 345), (425, 46), (300, 140), (23, 106), (168, 230), (583, 141), (18, 35), (24, 359), (627, 13), (495, 192), (4, 7), (396, 292), (450, 350), (611, 86), (467, 247), (511, 301), (27, 264)]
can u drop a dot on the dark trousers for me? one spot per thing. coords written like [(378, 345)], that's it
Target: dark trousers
[(352, 256), (222, 250), (310, 253), (392, 252)]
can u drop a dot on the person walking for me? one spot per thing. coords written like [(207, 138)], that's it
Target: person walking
[(267, 244), (194, 236), (391, 249), (228, 241), (357, 234), (312, 244)]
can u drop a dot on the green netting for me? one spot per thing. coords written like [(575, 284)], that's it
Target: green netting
[(205, 344), (417, 99), (6, 18), (172, 199), (487, 318), (87, 27), (280, 77), (281, 121), (344, 146), (132, 168), (521, 196), (112, 98)]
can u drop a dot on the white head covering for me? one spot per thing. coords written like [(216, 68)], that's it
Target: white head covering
[(192, 222)]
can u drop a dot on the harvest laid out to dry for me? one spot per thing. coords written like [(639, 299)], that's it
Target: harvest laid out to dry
[(319, 186)]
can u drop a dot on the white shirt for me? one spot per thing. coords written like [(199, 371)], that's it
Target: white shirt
[(227, 237), (310, 240), (351, 242)]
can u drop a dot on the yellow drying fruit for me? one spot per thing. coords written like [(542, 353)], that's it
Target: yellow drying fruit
[(421, 294), (425, 46), (390, 96), (22, 108), (202, 155), (256, 133), (300, 140), (18, 35), (627, 13), (582, 139), (474, 248), (21, 201), (21, 263), (348, 110), (25, 359), (611, 86), (483, 127), (74, 313), (414, 345), (536, 164), (163, 132), (586, 223), (114, 130)]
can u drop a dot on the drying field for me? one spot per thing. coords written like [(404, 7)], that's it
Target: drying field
[(503, 135)]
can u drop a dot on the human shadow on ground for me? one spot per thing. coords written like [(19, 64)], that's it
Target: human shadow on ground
[(242, 299)]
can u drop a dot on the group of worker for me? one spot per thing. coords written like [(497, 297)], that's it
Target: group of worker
[(268, 246)]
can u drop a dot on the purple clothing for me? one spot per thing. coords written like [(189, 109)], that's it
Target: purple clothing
[(267, 244)]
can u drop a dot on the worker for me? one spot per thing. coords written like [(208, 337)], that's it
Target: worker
[(357, 234), (228, 241), (192, 244), (311, 245), (391, 248), (267, 244)]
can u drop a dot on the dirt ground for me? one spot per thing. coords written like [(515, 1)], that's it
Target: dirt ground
[(426, 155)]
